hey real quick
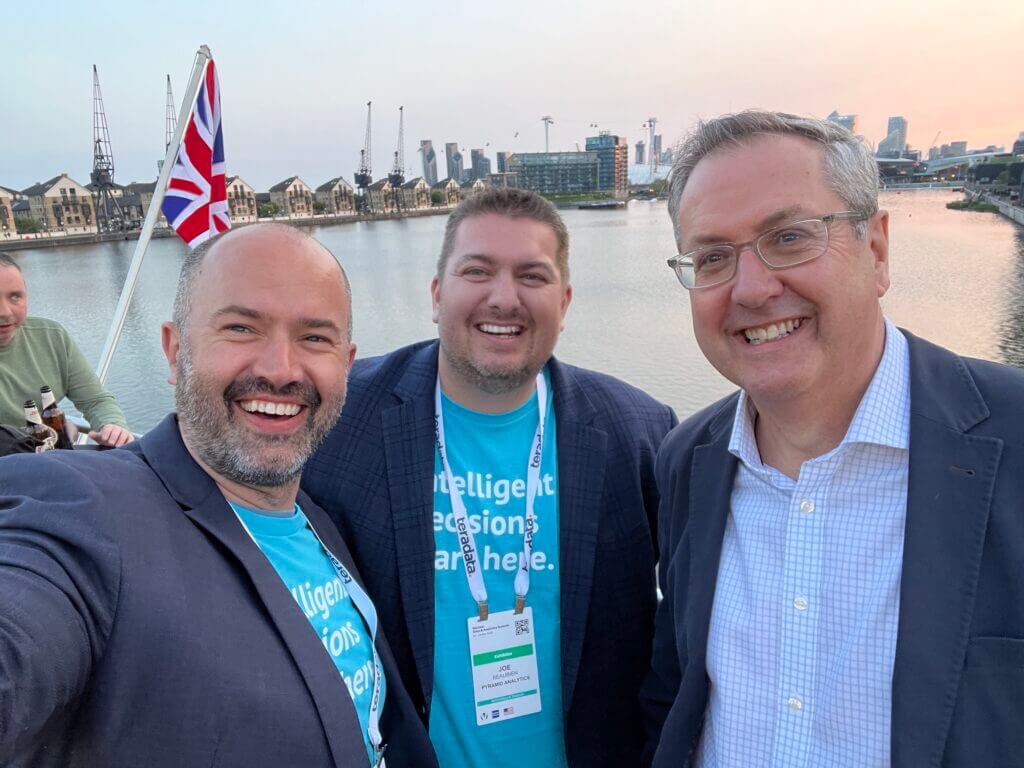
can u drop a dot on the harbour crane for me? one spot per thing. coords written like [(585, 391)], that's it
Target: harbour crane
[(364, 175), (109, 216), (170, 124), (397, 175), (547, 122)]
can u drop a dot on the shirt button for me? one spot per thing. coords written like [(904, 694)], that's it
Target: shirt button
[(800, 603), (795, 703), (807, 506)]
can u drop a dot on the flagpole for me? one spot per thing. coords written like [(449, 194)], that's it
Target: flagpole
[(121, 313)]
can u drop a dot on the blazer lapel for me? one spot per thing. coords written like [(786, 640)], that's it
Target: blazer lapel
[(582, 452), (952, 479), (711, 480), (203, 503), (408, 431)]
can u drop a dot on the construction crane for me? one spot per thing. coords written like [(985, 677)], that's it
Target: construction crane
[(397, 176), (170, 124), (364, 175), (935, 140), (547, 122), (109, 216)]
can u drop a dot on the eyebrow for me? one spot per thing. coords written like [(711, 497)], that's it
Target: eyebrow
[(253, 314), (768, 222)]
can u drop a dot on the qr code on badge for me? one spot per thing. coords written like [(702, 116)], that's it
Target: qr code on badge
[(522, 627)]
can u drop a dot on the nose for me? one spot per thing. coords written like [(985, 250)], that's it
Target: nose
[(277, 361), (504, 293), (754, 283)]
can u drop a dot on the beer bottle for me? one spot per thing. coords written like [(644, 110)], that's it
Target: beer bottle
[(53, 417), (34, 422)]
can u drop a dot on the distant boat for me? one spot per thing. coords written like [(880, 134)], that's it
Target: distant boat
[(600, 205)]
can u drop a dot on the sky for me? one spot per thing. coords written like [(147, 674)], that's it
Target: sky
[(295, 78)]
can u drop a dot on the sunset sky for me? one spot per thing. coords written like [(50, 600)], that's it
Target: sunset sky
[(295, 80)]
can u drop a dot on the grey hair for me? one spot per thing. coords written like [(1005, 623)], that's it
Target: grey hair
[(192, 267), (6, 260), (850, 169)]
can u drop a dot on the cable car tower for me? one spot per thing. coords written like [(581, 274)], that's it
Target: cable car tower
[(109, 217), (170, 124), (397, 175), (364, 175)]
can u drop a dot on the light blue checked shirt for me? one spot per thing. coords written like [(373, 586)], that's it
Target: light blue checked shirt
[(803, 629)]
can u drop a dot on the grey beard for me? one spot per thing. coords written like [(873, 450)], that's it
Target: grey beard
[(491, 382), (200, 418)]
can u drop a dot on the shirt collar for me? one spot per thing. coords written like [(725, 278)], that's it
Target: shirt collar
[(882, 418)]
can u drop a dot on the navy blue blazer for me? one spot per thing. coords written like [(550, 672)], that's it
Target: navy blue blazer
[(141, 626), (374, 477), (958, 681)]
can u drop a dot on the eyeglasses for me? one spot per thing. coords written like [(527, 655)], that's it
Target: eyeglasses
[(779, 248)]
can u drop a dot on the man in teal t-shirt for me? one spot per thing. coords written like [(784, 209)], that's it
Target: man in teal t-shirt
[(488, 454)]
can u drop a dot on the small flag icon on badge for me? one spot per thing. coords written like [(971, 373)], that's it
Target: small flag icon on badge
[(508, 711), (495, 713)]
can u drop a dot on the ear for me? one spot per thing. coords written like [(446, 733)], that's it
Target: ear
[(878, 243), (170, 340), (351, 355), (435, 297), (566, 300)]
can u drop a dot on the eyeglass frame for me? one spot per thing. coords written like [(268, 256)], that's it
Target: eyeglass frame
[(675, 262)]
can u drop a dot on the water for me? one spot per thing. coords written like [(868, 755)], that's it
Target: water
[(957, 279)]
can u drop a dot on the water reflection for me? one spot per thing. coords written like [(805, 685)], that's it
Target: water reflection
[(957, 279)]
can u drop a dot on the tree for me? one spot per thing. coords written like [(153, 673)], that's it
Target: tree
[(269, 209), (436, 197), (319, 207), (27, 225)]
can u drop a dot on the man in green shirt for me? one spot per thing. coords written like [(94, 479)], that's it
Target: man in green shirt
[(35, 351)]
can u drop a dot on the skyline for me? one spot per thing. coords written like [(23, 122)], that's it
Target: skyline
[(288, 109)]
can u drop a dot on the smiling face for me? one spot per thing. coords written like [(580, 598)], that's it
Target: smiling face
[(13, 303), (261, 368), (790, 335), (499, 306)]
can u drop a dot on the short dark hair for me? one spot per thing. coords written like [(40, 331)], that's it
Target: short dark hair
[(6, 260), (515, 204)]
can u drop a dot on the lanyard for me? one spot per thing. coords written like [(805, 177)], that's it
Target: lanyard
[(467, 542), (368, 611)]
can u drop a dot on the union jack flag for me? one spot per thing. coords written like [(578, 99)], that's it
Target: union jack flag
[(196, 203)]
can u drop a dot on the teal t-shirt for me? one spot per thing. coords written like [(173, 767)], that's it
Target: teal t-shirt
[(292, 548), (488, 455)]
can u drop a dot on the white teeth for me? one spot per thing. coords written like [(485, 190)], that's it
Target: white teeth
[(504, 330), (273, 409), (771, 331)]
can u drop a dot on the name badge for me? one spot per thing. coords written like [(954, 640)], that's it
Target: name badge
[(503, 656)]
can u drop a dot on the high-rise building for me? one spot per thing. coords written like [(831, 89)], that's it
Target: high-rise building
[(429, 161), (849, 122), (613, 154), (481, 165), (453, 160), (656, 146), (895, 141), (1018, 145), (502, 159), (556, 172), (639, 160)]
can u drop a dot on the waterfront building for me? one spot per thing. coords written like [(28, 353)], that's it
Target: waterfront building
[(135, 199), (61, 205), (453, 159), (293, 198), (382, 196), (242, 205), (337, 197), (849, 122), (415, 194), (8, 228), (639, 159), (451, 191), (656, 147), (1018, 145), (503, 179), (471, 187), (613, 156), (502, 161), (429, 161), (553, 173), (481, 164), (895, 141)]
